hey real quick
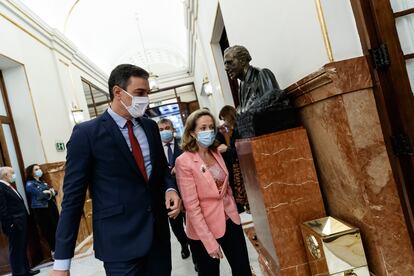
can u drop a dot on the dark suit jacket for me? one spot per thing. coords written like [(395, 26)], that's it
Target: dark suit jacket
[(177, 150), (127, 211), (12, 210)]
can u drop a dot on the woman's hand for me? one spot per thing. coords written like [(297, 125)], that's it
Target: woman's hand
[(48, 192), (217, 254), (222, 148)]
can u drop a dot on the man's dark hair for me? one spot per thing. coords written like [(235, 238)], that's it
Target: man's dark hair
[(239, 52), (121, 74), (166, 121)]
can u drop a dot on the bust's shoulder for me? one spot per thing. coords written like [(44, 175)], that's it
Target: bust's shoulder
[(265, 71), (256, 72)]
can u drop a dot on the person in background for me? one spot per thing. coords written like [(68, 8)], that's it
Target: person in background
[(212, 221), (227, 138), (172, 151), (13, 218), (42, 202)]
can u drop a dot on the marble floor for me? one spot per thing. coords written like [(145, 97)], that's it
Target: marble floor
[(87, 265)]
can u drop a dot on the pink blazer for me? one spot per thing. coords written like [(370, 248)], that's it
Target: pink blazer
[(206, 208)]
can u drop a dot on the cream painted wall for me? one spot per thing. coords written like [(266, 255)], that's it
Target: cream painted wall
[(284, 36), (342, 30), (43, 80), (200, 71), (52, 69), (24, 117)]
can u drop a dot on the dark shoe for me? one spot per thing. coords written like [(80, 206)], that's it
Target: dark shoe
[(33, 272), (185, 252)]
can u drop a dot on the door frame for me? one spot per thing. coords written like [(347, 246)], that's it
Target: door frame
[(34, 253), (393, 95)]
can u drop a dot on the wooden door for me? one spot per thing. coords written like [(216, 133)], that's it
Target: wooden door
[(386, 29), (9, 148)]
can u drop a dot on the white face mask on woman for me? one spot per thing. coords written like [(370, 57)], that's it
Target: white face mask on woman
[(206, 138), (138, 105)]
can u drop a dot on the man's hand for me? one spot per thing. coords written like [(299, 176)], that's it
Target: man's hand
[(59, 273), (172, 203)]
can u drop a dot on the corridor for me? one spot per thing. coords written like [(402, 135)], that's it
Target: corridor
[(300, 112), (87, 265)]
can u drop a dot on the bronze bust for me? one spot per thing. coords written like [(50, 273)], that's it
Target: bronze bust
[(255, 82), (264, 107)]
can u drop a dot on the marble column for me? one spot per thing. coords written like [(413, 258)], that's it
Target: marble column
[(338, 109), (283, 192)]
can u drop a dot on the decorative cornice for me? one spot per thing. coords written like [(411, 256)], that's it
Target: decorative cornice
[(333, 79), (50, 38)]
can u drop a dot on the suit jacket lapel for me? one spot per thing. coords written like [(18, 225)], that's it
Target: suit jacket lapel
[(10, 190), (113, 129)]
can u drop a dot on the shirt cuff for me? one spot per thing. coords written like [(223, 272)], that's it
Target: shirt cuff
[(171, 189), (62, 265)]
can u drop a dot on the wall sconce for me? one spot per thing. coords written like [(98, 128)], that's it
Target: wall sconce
[(206, 89), (77, 114), (153, 82)]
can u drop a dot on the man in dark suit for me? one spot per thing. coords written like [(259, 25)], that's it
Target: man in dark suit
[(172, 151), (13, 218), (119, 155)]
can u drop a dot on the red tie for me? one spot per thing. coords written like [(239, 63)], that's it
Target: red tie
[(136, 150), (13, 185)]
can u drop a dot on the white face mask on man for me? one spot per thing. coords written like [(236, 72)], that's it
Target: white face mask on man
[(138, 105)]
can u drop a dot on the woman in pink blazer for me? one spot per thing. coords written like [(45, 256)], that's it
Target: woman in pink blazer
[(212, 220)]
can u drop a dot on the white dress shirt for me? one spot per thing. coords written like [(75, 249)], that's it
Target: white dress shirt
[(165, 145)]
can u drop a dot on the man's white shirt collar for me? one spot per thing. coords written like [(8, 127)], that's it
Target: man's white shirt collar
[(172, 142)]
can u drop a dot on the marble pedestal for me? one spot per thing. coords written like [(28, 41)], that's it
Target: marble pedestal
[(336, 105), (283, 192)]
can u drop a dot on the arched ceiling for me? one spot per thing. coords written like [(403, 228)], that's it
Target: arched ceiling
[(107, 31)]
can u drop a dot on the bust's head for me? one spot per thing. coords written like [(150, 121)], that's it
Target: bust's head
[(236, 61)]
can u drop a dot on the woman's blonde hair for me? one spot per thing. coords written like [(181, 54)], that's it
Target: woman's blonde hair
[(188, 142)]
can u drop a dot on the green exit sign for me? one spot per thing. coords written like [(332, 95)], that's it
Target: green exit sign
[(60, 146)]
